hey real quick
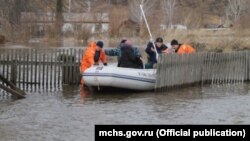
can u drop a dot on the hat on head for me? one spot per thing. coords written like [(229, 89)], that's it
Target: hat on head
[(159, 40), (100, 44), (128, 42), (123, 41), (174, 42)]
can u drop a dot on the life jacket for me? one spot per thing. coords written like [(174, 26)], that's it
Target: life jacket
[(185, 49), (88, 57)]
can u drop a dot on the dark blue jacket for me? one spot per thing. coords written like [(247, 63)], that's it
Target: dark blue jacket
[(117, 52), (128, 58), (151, 54)]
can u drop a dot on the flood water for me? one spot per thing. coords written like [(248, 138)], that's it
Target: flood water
[(69, 115)]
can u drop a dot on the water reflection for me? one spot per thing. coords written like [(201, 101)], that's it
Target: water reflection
[(70, 114)]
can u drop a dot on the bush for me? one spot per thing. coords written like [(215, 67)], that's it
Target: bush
[(2, 39)]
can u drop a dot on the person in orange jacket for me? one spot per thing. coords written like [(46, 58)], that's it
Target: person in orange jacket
[(182, 48), (93, 55)]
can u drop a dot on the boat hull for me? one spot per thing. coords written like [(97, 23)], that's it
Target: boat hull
[(125, 78)]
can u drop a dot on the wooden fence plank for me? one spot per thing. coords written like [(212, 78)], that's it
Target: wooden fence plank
[(31, 68), (18, 52), (70, 61), (4, 64), (52, 67), (247, 66), (36, 67), (59, 67), (43, 66), (74, 71), (208, 68), (54, 59), (8, 65)]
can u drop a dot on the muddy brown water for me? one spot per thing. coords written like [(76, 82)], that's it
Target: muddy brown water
[(66, 114), (69, 115)]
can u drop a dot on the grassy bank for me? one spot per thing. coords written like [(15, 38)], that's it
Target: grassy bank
[(204, 40), (221, 40)]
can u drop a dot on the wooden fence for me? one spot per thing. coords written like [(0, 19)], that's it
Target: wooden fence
[(49, 68), (202, 68), (46, 68)]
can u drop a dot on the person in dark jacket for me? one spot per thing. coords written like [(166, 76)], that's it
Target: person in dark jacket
[(150, 50), (117, 51), (128, 58)]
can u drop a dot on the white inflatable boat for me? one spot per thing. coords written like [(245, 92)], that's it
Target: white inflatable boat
[(125, 78)]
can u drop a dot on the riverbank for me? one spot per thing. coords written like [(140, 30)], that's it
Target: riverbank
[(213, 40), (204, 40)]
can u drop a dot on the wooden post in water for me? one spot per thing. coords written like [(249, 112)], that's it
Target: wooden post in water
[(52, 68), (31, 51), (248, 62), (55, 67), (28, 69), (39, 71), (70, 61), (59, 67), (63, 59), (74, 71), (4, 55), (19, 66), (247, 66), (13, 75), (13, 89), (43, 68), (47, 69), (80, 55), (7, 64), (66, 67), (36, 67)]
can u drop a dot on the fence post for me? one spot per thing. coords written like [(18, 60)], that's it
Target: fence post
[(248, 62), (68, 60), (13, 76)]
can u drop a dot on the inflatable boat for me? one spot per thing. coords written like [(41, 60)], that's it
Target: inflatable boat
[(124, 78)]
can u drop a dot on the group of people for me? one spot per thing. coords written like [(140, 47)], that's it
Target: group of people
[(129, 56), (159, 47)]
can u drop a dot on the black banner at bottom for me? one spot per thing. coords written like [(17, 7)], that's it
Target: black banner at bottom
[(171, 132)]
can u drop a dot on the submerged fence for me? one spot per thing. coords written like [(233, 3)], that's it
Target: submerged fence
[(41, 68), (202, 68), (49, 68)]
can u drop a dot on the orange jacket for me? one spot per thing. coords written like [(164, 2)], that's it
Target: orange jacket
[(88, 58), (186, 49)]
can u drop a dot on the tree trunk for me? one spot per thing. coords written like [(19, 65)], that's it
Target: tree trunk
[(59, 19), (15, 13), (14, 19)]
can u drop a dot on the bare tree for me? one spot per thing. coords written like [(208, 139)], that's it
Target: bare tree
[(234, 9), (169, 7), (10, 17), (135, 12), (59, 18)]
